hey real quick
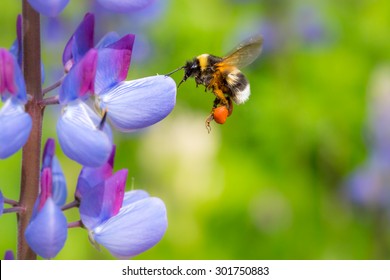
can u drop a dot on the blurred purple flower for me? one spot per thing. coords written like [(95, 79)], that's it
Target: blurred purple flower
[(47, 231), (369, 185), (52, 8), (9, 255), (15, 123), (310, 25), (101, 71), (126, 224)]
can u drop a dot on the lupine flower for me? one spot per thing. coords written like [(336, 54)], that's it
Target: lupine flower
[(47, 231), (126, 224), (9, 255), (53, 8), (100, 72), (15, 123)]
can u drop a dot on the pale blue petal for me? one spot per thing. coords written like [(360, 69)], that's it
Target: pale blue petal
[(46, 234), (135, 229), (15, 127), (133, 196), (80, 137), (139, 103), (50, 8)]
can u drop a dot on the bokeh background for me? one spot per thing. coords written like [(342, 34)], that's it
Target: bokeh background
[(301, 171)]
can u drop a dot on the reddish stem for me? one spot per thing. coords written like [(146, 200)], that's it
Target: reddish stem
[(31, 151)]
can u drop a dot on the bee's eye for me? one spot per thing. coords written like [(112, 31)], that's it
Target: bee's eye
[(194, 66)]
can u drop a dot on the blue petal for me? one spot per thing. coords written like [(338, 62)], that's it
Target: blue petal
[(135, 229), (124, 6), (139, 103), (15, 127), (50, 8), (80, 138), (59, 192), (46, 234)]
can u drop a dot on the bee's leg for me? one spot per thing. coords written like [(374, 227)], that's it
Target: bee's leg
[(230, 106), (221, 96), (209, 119)]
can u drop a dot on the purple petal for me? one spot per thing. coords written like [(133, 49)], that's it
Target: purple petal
[(46, 234), (9, 255), (80, 137), (11, 78), (124, 6), (139, 103), (133, 196), (80, 79), (92, 176), (135, 229), (16, 48), (50, 8), (1, 203), (48, 153), (113, 63), (103, 201), (81, 41), (59, 191), (15, 127)]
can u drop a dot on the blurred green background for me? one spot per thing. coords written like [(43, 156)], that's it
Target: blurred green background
[(268, 184)]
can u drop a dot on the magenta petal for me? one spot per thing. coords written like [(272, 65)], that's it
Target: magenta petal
[(46, 234), (11, 78), (50, 8), (80, 79), (104, 200), (81, 41), (124, 6)]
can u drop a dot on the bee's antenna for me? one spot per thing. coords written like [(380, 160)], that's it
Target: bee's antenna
[(170, 73)]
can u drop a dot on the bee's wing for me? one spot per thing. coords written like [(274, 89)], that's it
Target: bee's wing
[(245, 53)]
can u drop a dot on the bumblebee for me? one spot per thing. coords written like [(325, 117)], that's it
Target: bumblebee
[(222, 76)]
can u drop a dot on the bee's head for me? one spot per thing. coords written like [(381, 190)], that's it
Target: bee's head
[(191, 69)]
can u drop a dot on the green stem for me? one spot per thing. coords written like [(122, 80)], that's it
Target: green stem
[(31, 151)]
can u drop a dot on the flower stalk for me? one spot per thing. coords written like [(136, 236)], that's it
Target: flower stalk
[(31, 151)]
